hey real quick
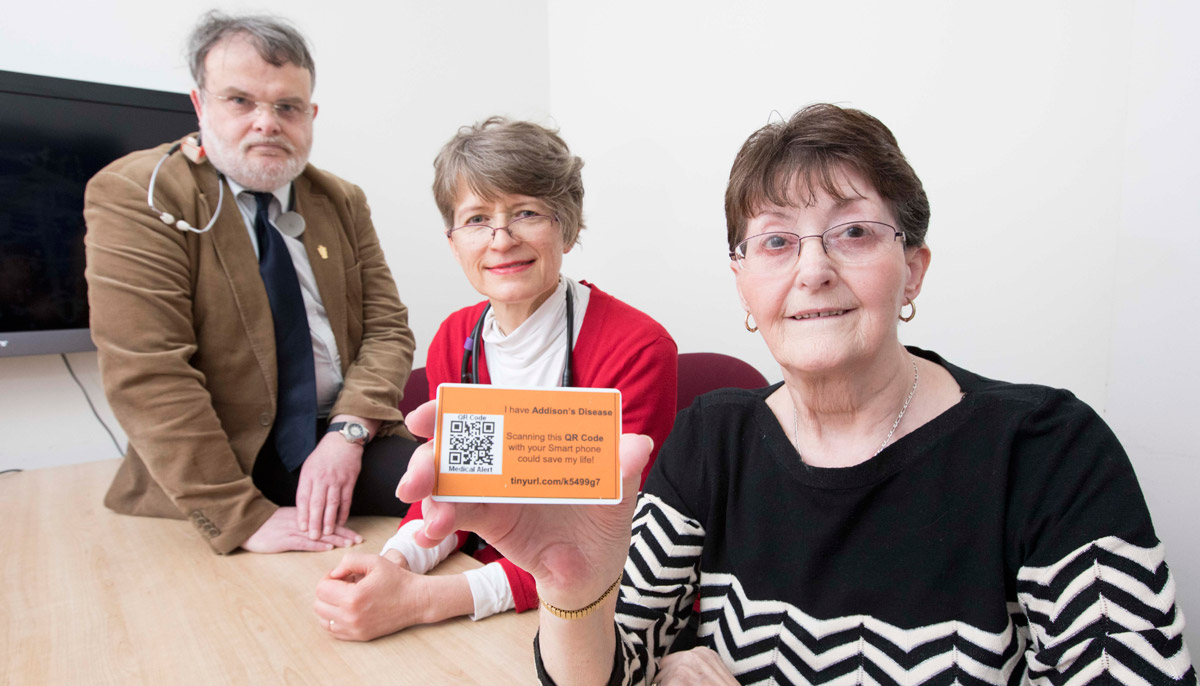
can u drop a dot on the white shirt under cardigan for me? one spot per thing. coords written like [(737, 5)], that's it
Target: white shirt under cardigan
[(533, 355), (326, 361)]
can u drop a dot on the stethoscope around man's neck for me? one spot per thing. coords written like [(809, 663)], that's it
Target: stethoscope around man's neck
[(166, 217), (290, 223), (473, 346)]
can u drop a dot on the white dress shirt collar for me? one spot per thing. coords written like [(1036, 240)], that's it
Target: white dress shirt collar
[(283, 194)]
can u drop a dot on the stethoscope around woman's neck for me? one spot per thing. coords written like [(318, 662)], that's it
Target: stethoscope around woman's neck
[(473, 346)]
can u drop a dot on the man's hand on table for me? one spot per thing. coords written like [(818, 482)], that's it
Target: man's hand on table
[(281, 534), (327, 481)]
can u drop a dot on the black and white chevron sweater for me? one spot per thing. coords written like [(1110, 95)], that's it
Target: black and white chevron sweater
[(1006, 541)]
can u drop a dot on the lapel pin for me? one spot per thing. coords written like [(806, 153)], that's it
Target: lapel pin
[(322, 252)]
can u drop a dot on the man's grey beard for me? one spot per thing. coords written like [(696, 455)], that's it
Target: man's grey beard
[(263, 175)]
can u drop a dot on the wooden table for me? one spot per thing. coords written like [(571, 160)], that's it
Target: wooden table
[(93, 597)]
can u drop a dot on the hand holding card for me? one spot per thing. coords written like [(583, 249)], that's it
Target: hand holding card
[(527, 445), (573, 551)]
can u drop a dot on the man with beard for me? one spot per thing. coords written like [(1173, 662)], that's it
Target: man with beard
[(251, 339)]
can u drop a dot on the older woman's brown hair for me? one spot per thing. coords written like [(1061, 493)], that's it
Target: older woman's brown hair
[(500, 156), (809, 148)]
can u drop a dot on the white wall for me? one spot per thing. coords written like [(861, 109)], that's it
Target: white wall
[(1154, 374), (1056, 141)]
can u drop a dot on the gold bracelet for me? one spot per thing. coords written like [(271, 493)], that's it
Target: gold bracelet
[(583, 611)]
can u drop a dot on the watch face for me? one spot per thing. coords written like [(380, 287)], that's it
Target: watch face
[(356, 431)]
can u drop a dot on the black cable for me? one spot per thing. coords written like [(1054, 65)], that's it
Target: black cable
[(87, 397), (9, 471)]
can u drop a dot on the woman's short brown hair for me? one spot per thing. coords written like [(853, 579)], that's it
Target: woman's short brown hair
[(500, 156), (809, 148)]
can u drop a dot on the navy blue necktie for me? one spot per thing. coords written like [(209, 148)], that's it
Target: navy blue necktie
[(296, 412)]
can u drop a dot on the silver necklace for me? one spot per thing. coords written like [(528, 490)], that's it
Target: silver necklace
[(887, 439)]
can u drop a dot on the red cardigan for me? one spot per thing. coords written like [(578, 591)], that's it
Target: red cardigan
[(618, 347)]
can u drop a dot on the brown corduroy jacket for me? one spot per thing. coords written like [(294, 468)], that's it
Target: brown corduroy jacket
[(186, 340)]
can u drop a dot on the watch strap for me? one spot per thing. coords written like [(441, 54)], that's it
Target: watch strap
[(343, 429)]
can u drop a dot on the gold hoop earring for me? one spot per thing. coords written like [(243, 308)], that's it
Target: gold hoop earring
[(749, 328), (912, 314)]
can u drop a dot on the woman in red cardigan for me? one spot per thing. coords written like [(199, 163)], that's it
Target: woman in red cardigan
[(511, 195)]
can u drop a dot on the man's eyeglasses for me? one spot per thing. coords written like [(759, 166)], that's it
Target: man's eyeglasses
[(529, 227), (851, 243), (240, 106)]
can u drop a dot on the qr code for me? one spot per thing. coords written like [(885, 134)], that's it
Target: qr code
[(471, 443)]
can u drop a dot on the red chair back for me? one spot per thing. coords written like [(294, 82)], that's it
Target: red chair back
[(416, 391), (700, 373)]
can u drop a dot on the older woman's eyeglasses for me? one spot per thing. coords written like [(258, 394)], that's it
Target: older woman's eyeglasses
[(529, 226), (851, 243), (239, 106)]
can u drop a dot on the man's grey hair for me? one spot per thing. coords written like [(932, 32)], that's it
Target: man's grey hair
[(278, 42)]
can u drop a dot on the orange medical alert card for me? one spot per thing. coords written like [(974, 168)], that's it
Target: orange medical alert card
[(527, 445)]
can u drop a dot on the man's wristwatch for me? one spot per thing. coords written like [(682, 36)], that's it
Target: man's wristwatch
[(353, 432)]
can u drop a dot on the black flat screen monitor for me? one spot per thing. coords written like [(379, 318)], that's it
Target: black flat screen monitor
[(54, 135)]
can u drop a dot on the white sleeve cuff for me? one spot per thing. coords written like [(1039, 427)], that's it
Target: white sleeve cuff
[(489, 590), (420, 559)]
